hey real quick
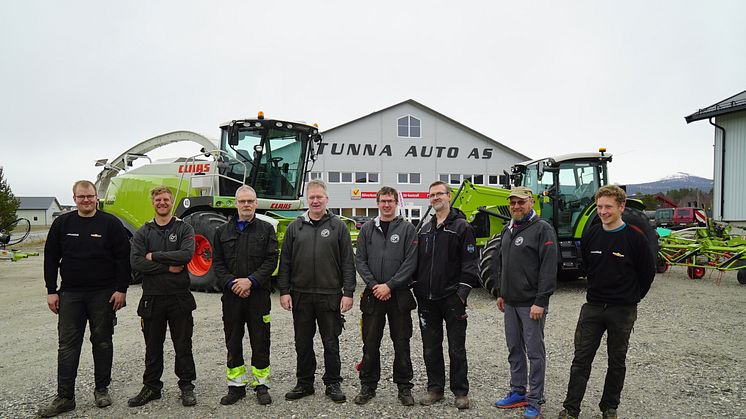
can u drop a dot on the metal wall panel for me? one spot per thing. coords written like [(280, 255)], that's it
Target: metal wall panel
[(734, 208)]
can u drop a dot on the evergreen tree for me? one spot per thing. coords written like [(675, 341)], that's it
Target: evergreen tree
[(8, 203)]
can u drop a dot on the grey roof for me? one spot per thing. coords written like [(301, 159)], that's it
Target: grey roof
[(37, 202), (732, 104), (440, 115)]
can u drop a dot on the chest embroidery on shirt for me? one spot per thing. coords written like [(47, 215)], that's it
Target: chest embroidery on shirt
[(518, 241), (394, 238), (325, 232), (172, 238), (617, 254), (596, 252), (73, 234), (94, 235)]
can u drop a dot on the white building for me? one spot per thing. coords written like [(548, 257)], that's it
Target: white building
[(39, 210), (728, 118), (406, 146)]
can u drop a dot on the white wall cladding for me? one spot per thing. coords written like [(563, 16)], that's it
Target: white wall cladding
[(734, 208)]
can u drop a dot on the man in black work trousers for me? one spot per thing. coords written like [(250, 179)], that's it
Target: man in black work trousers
[(90, 250), (316, 282), (447, 271), (386, 260), (160, 251), (621, 269), (244, 259)]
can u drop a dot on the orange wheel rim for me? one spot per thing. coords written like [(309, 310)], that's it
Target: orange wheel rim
[(202, 259)]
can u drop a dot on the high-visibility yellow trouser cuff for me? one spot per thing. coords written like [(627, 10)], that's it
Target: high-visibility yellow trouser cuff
[(237, 376), (261, 376)]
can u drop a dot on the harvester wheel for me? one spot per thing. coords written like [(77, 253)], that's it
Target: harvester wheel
[(741, 276), (201, 273), (486, 275), (695, 272)]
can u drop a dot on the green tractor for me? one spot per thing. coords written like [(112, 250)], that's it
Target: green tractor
[(272, 156), (565, 187)]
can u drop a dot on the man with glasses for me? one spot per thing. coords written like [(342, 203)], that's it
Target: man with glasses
[(244, 259), (386, 260), (160, 251), (90, 250), (447, 271), (526, 276), (316, 281)]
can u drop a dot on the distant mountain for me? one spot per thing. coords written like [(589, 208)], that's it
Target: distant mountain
[(678, 180)]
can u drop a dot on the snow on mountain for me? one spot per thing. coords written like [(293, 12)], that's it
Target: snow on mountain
[(679, 180)]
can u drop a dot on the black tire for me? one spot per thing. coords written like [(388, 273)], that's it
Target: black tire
[(741, 276), (638, 219), (695, 272), (201, 272), (486, 275), (661, 266)]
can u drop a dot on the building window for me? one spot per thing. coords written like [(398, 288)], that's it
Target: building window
[(36, 218), (476, 179), (340, 177), (314, 175), (366, 177), (408, 178), (408, 126), (493, 180), (335, 211), (347, 212), (454, 179)]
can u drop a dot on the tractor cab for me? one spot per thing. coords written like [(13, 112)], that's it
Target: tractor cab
[(566, 186), (270, 155)]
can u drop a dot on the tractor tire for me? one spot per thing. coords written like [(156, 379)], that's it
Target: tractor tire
[(201, 273), (638, 219), (486, 275), (741, 275), (695, 272)]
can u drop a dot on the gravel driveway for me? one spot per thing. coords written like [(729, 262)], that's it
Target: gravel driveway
[(686, 357)]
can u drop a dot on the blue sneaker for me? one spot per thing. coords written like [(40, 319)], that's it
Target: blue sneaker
[(512, 400), (531, 412)]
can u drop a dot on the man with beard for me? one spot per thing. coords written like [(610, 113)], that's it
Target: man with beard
[(160, 250), (526, 276)]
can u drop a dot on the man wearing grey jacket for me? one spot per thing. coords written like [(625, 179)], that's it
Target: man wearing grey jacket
[(316, 281), (526, 277), (386, 260)]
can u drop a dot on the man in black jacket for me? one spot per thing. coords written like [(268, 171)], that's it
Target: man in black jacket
[(448, 268), (244, 259), (90, 249), (160, 251), (527, 269), (316, 281), (621, 269), (386, 260)]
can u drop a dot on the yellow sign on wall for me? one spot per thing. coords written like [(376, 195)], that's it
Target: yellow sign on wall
[(356, 193)]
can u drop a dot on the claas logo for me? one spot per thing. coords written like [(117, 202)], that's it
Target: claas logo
[(194, 168), (279, 205)]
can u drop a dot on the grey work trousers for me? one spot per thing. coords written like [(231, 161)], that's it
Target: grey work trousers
[(525, 339)]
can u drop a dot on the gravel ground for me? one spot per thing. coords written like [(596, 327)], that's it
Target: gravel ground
[(685, 358)]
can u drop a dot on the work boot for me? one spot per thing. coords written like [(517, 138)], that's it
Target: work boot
[(405, 397), (102, 397), (366, 394), (431, 398), (145, 396), (262, 395), (565, 414), (235, 394), (57, 406), (461, 402), (299, 392), (334, 391), (609, 414), (188, 398)]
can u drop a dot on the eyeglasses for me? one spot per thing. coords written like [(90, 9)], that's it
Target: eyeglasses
[(436, 194), (518, 203), (246, 201), (387, 201), (85, 197)]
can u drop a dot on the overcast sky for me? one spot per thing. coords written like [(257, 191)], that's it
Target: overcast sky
[(82, 80)]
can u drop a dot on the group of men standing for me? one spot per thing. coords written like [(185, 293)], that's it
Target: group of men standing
[(317, 278)]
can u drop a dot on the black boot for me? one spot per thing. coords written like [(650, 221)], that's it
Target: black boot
[(235, 394)]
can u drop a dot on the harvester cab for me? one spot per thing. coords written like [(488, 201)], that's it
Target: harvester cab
[(273, 156)]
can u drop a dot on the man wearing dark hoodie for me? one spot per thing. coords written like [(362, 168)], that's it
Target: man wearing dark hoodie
[(160, 251), (386, 260), (316, 282), (448, 268), (526, 276)]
